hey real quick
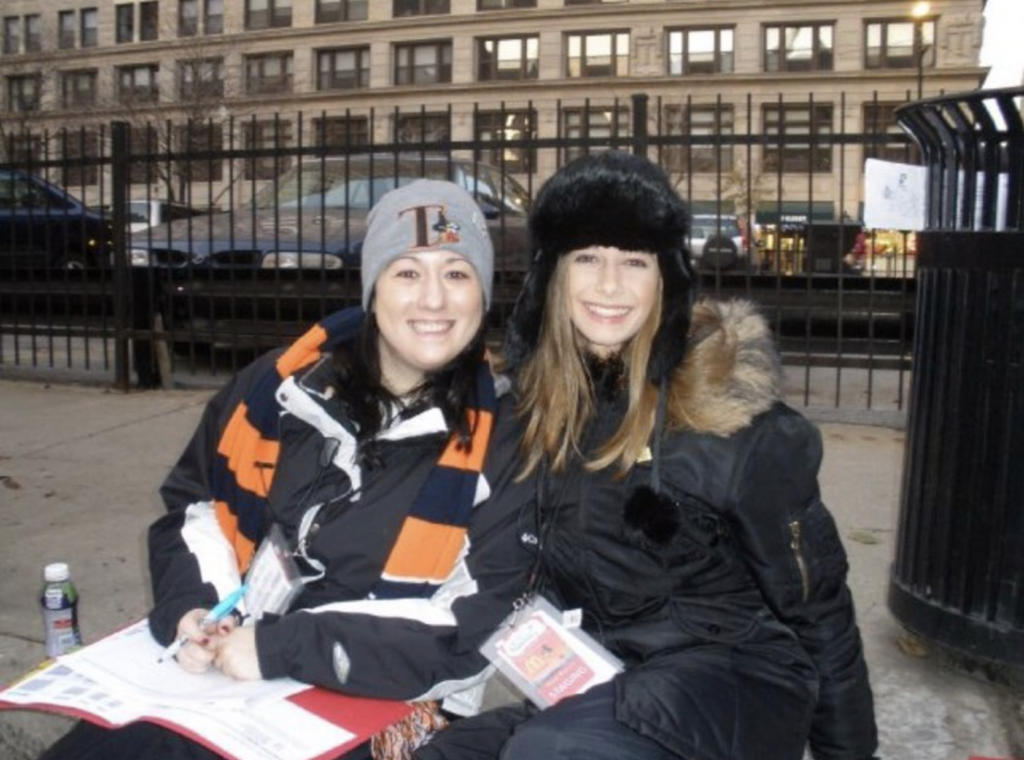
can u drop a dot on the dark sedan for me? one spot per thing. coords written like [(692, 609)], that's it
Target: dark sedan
[(43, 226)]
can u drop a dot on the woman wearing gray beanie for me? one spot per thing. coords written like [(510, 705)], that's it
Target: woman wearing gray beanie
[(378, 446)]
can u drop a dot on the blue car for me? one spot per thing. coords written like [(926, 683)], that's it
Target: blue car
[(313, 217), (42, 226)]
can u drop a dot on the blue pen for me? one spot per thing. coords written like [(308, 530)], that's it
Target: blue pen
[(214, 616)]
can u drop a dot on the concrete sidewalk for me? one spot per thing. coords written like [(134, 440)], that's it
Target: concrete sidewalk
[(79, 469)]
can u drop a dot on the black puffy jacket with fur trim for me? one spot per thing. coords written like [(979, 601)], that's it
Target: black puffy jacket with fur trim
[(732, 611)]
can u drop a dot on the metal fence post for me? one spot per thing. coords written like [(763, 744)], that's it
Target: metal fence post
[(122, 292), (640, 128)]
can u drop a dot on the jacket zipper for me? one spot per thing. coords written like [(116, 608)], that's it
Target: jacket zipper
[(798, 554)]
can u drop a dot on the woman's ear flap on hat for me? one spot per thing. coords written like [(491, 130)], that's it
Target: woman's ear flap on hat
[(677, 297), (522, 331)]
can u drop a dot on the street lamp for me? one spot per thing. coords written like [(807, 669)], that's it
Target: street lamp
[(920, 10)]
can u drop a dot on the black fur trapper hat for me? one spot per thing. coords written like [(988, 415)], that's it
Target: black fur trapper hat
[(611, 199)]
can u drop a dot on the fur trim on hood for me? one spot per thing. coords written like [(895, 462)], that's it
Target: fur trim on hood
[(732, 370), (730, 374)]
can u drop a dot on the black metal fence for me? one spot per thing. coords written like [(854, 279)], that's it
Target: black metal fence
[(266, 222)]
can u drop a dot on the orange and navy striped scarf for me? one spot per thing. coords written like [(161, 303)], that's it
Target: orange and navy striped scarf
[(432, 537)]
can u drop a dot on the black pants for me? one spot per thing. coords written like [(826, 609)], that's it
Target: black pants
[(579, 728), (141, 740)]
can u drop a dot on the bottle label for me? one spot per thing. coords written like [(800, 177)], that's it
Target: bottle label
[(54, 598), (60, 619), (62, 634)]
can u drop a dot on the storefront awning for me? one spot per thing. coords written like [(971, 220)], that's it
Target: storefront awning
[(795, 212)]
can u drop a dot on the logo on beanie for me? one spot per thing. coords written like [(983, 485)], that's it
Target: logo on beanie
[(442, 231)]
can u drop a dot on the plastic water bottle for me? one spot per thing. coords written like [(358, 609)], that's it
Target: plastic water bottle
[(60, 610)]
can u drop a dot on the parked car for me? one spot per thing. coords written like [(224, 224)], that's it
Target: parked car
[(44, 226), (716, 243), (150, 212), (314, 216)]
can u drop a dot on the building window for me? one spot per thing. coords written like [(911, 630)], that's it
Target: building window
[(498, 127), (341, 132), (66, 31), (802, 131), (79, 149), (700, 51), (213, 17), (890, 44), (331, 11), (271, 135), (595, 123), (78, 89), (12, 35), (268, 74), (33, 33), (138, 84), (33, 40), (798, 48), (23, 93), (149, 21), (344, 69), (124, 23), (419, 128), (201, 79), (423, 63), (402, 8), (499, 5), (268, 14), (23, 149), (89, 27), (201, 137), (700, 127), (604, 54), (507, 58), (886, 139), (188, 18)]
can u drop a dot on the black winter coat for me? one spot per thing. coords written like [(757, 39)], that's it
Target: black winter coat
[(730, 608), (337, 636)]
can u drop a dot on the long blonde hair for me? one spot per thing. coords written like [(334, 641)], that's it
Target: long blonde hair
[(556, 394)]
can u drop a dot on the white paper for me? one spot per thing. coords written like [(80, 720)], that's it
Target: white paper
[(128, 661), (119, 680), (894, 195), (264, 730), (59, 685)]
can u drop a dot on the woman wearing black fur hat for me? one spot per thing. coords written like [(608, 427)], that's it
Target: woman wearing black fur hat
[(678, 504)]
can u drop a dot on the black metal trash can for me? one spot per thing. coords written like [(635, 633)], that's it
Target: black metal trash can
[(958, 574)]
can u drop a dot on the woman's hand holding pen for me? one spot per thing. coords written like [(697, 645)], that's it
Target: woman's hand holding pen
[(235, 654), (199, 653)]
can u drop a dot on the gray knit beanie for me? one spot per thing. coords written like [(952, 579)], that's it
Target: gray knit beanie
[(426, 215)]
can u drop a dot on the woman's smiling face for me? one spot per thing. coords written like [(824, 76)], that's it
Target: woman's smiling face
[(428, 306), (611, 294)]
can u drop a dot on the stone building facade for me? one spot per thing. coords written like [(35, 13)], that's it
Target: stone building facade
[(257, 73)]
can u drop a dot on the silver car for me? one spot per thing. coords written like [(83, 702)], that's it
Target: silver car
[(149, 212), (716, 243)]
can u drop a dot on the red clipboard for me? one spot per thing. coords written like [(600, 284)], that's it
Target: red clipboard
[(361, 716)]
